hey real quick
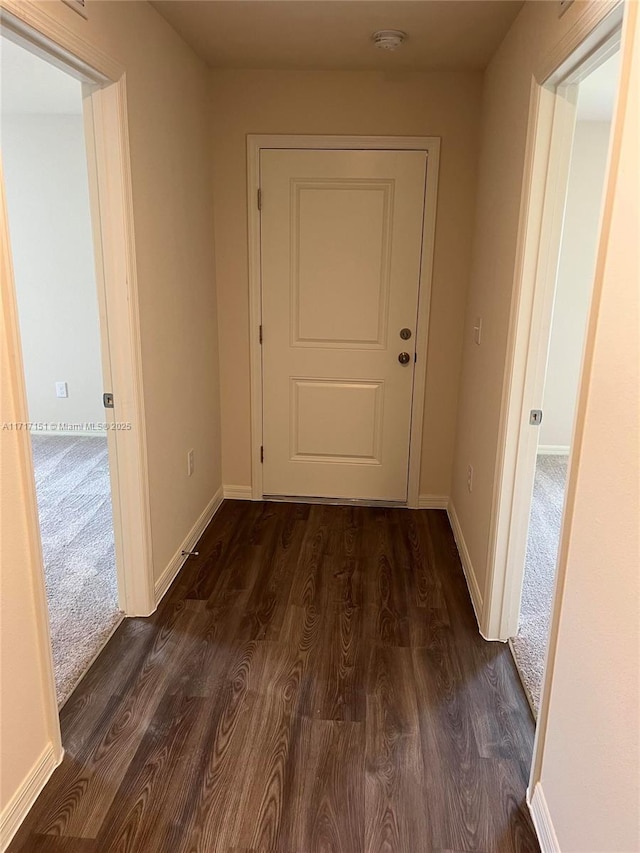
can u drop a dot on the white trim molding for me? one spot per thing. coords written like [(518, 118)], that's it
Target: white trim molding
[(178, 560), (553, 450), (23, 799), (542, 822), (31, 26), (594, 22), (467, 565), (238, 493), (429, 144), (109, 145), (433, 502)]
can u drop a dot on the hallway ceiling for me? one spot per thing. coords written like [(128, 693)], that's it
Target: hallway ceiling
[(336, 34)]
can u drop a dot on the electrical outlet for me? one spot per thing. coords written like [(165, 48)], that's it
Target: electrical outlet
[(470, 478), (62, 389), (477, 331), (189, 463)]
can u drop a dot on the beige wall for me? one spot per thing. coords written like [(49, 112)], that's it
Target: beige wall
[(173, 215), (575, 280), (360, 103), (591, 746)]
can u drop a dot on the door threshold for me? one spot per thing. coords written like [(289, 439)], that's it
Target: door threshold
[(305, 499)]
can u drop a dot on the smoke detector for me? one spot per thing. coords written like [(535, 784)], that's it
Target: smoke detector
[(388, 39)]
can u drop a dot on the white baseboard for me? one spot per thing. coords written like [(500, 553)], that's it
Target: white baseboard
[(553, 449), (238, 493), (542, 821), (18, 806), (467, 566), (177, 561), (433, 501)]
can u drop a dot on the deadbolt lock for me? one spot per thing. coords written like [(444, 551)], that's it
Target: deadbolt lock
[(405, 334)]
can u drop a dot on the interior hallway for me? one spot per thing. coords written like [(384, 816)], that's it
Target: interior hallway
[(314, 680)]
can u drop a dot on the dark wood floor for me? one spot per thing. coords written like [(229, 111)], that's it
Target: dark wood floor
[(313, 681)]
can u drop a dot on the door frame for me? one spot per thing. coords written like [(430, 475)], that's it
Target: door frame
[(431, 146), (107, 139), (595, 37)]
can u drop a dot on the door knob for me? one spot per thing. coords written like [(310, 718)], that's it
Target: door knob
[(404, 358)]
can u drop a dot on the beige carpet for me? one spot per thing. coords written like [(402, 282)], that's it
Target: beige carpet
[(530, 644), (76, 526)]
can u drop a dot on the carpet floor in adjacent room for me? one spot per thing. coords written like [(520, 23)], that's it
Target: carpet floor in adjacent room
[(530, 644), (76, 527)]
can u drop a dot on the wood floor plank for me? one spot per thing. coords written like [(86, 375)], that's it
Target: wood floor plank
[(270, 741), (217, 549), (277, 562), (387, 598), (54, 844), (313, 575), (118, 668), (510, 819), (427, 603), (149, 776), (210, 775), (450, 754), (395, 811), (325, 806), (313, 681), (338, 663), (84, 790)]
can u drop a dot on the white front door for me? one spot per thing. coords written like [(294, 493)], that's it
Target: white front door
[(341, 235)]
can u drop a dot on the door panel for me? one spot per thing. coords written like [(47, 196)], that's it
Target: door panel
[(318, 436), (341, 236), (340, 231)]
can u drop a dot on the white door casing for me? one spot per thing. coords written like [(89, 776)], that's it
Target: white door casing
[(341, 246)]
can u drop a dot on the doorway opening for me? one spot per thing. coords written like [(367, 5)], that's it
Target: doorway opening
[(103, 152), (596, 95), (51, 235)]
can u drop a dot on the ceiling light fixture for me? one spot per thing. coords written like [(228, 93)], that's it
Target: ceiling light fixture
[(388, 39)]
